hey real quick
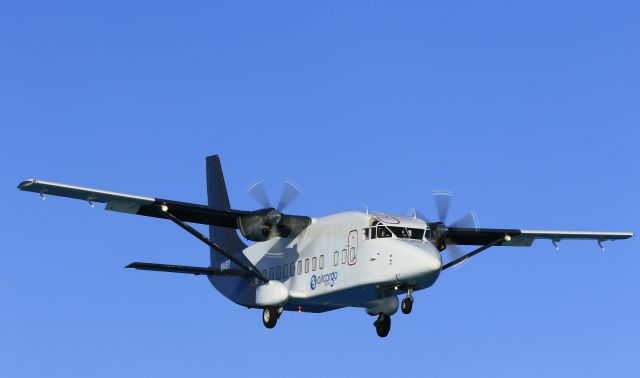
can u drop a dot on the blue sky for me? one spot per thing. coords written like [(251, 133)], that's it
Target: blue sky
[(528, 112)]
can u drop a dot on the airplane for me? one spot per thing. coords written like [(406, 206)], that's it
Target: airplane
[(314, 264)]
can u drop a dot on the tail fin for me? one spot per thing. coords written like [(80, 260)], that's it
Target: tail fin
[(227, 238)]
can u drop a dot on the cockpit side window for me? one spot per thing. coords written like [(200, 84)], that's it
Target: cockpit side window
[(415, 233)]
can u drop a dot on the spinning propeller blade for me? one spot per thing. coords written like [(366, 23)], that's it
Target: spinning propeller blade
[(443, 202), (290, 192), (440, 229), (258, 192)]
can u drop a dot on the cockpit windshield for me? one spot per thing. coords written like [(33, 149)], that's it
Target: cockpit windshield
[(407, 233), (383, 231)]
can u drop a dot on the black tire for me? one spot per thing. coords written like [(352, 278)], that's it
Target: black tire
[(407, 305), (383, 325), (269, 317)]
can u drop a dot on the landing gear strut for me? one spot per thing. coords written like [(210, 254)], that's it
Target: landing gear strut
[(407, 303), (383, 324), (270, 317)]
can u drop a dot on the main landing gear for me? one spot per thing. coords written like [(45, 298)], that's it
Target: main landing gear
[(383, 324), (270, 316), (407, 303)]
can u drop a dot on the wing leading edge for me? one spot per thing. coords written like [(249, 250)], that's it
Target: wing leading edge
[(139, 205), (525, 238)]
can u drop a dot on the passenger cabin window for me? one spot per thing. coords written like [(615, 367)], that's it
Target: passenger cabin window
[(285, 271), (352, 255), (321, 262), (314, 263), (336, 258), (300, 267), (306, 265), (278, 272), (270, 273), (293, 268), (264, 272), (344, 256)]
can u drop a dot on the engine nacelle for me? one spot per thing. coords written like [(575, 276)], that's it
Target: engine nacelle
[(262, 225), (254, 228), (273, 293)]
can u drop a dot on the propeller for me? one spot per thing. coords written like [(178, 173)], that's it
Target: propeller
[(440, 230), (270, 222), (290, 192)]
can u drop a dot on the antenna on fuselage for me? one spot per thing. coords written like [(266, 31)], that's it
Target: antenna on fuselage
[(366, 208)]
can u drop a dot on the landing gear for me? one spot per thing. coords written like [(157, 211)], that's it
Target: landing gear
[(407, 303), (270, 317), (383, 324)]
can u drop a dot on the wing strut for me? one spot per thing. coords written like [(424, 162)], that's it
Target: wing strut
[(164, 209), (476, 251)]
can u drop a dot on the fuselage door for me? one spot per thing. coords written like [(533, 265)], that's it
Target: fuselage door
[(352, 247)]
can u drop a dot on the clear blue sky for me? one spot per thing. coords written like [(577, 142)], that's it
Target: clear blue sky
[(528, 112)]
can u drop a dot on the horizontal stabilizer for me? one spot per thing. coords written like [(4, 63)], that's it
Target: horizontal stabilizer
[(187, 269)]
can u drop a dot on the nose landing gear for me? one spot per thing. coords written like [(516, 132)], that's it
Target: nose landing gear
[(407, 303)]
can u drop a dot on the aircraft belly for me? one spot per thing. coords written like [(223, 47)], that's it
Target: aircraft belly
[(356, 296)]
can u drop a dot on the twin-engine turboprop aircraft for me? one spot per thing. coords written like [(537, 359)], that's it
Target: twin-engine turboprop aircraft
[(300, 263)]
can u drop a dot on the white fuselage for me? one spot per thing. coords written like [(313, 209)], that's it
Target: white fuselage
[(339, 261)]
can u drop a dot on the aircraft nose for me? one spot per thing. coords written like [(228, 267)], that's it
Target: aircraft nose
[(420, 263)]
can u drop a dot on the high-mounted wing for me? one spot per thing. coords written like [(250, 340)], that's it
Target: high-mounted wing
[(524, 238), (488, 237), (133, 204), (178, 212)]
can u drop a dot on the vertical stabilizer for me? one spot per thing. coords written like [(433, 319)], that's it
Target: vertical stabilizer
[(217, 195), (239, 289)]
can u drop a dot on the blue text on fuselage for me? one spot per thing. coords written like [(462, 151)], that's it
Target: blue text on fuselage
[(328, 279)]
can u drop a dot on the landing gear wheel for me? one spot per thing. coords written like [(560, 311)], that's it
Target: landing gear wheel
[(270, 317), (407, 305), (383, 325)]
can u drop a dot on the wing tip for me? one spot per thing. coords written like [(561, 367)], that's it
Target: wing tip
[(27, 183)]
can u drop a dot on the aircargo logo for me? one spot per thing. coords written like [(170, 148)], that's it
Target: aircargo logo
[(328, 279)]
